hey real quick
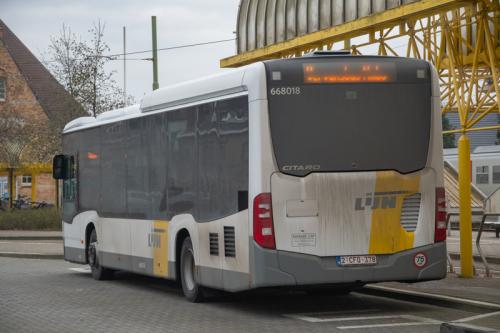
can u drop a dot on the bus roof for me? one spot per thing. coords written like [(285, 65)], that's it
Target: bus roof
[(225, 83)]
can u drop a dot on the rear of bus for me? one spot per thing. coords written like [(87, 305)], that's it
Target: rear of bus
[(357, 193)]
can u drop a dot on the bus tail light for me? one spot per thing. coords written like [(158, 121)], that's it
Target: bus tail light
[(263, 229), (440, 226)]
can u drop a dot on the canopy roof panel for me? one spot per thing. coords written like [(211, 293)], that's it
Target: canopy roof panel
[(266, 22)]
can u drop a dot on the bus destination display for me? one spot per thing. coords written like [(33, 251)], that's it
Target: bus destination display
[(349, 72)]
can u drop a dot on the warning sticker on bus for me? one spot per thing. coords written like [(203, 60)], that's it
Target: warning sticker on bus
[(303, 239)]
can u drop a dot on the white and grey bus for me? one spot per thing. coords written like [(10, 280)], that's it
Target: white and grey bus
[(314, 171)]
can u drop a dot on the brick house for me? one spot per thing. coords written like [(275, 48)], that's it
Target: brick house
[(28, 89)]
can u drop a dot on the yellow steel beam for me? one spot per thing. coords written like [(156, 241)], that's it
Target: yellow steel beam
[(468, 59), (359, 27), (27, 168), (474, 129)]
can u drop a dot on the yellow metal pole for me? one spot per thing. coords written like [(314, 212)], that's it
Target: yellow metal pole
[(14, 185), (347, 44), (464, 173), (33, 187), (11, 187)]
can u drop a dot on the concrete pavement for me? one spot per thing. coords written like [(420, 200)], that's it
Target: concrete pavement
[(30, 235), (35, 249), (31, 244)]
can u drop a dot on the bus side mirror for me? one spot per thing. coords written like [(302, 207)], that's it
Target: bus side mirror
[(59, 167)]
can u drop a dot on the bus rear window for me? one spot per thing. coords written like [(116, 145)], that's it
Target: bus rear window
[(349, 126)]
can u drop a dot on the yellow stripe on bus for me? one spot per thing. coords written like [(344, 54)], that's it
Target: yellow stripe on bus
[(160, 251), (387, 235)]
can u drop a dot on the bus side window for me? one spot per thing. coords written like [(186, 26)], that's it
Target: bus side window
[(113, 170), (70, 190), (232, 116), (89, 170), (137, 174), (156, 129), (69, 185), (182, 162), (209, 165)]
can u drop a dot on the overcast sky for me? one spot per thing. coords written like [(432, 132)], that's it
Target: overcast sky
[(178, 21)]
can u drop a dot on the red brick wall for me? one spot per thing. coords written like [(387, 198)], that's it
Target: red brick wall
[(19, 97), (45, 188)]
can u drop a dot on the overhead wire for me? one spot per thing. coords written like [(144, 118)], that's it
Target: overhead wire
[(117, 56), (175, 47)]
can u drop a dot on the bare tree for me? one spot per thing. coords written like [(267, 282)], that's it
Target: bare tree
[(26, 140), (79, 65)]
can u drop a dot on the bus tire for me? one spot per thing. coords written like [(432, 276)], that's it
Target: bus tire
[(98, 272), (191, 289)]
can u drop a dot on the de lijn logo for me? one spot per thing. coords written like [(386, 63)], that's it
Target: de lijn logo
[(154, 238), (378, 200)]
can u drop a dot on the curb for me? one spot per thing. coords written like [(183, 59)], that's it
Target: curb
[(31, 238), (30, 255), (427, 298), (490, 260), (464, 328)]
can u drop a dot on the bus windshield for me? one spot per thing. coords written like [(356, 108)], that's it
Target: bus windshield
[(349, 126)]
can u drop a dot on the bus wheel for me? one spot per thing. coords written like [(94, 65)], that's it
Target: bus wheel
[(192, 290), (98, 272)]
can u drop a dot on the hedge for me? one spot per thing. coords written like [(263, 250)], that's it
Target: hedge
[(30, 219)]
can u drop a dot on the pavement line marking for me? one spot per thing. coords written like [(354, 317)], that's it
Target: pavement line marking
[(416, 323), (327, 320), (415, 320), (326, 313), (464, 320), (80, 270), (436, 296)]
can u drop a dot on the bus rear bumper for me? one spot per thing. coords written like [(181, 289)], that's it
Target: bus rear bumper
[(280, 268)]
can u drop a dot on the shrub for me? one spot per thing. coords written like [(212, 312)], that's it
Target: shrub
[(31, 219)]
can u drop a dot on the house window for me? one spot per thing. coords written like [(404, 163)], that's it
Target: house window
[(2, 89), (482, 175), (26, 181), (496, 174)]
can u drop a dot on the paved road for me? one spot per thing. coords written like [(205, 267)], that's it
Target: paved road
[(53, 296)]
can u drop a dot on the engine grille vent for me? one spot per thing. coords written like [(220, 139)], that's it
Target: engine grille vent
[(214, 244), (410, 212), (229, 242)]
